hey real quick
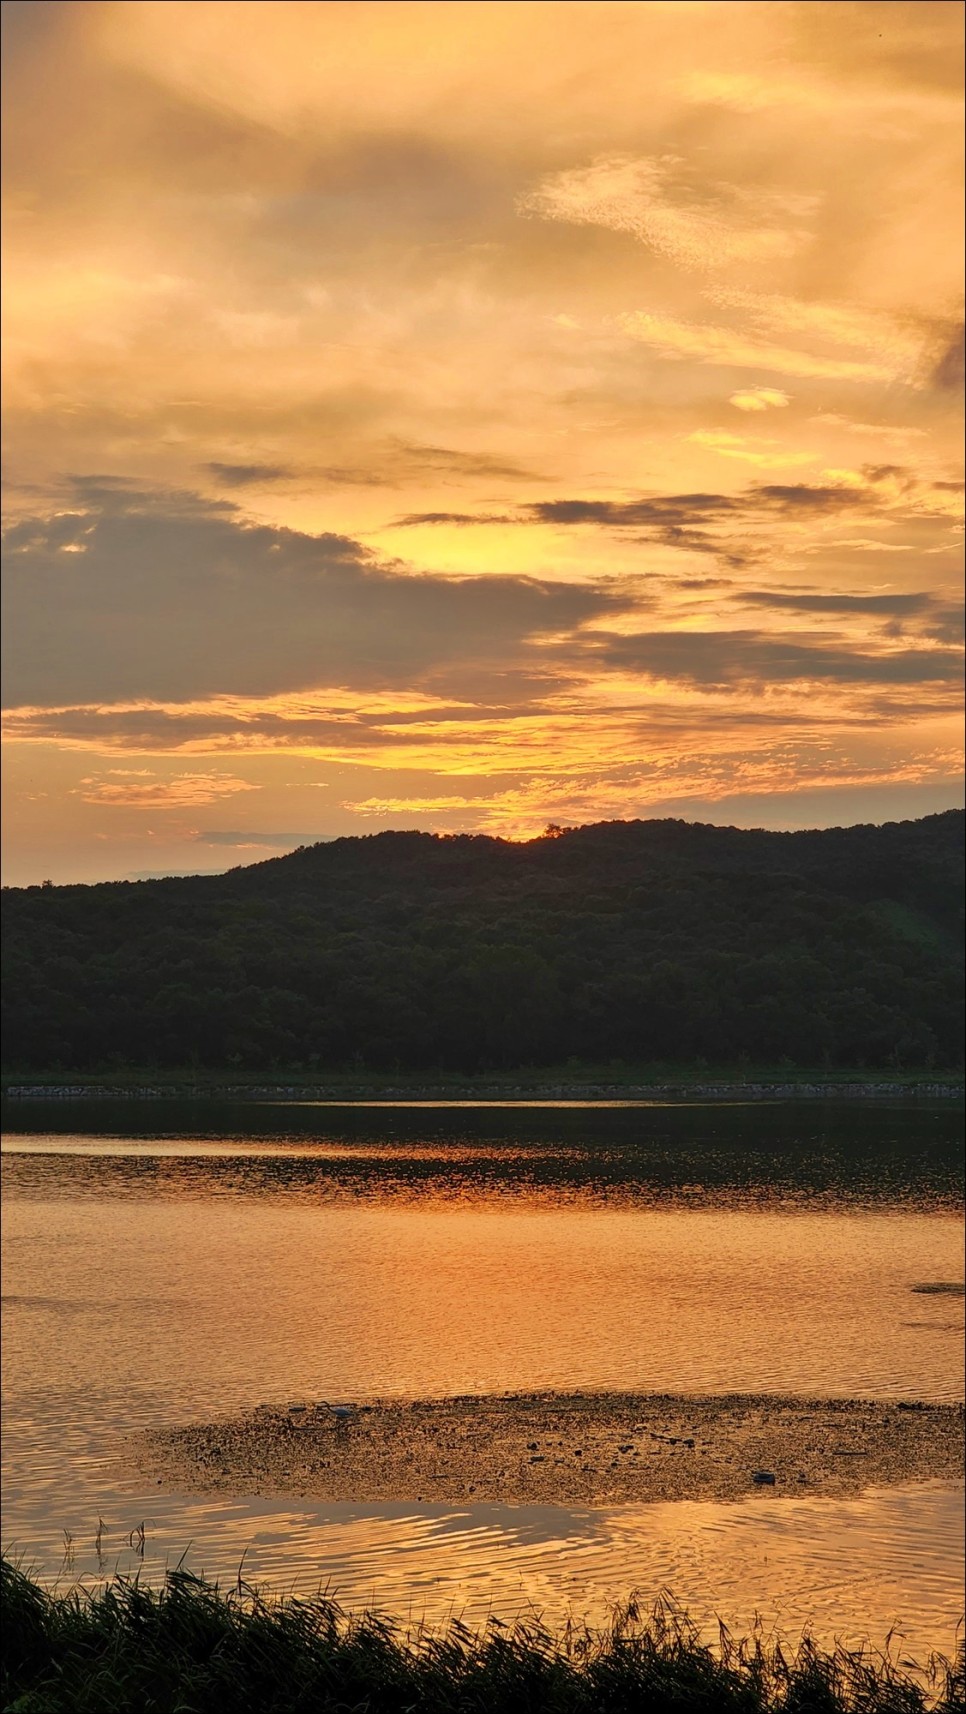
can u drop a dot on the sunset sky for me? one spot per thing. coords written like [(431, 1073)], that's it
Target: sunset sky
[(472, 415)]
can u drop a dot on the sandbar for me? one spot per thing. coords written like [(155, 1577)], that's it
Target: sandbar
[(573, 1449)]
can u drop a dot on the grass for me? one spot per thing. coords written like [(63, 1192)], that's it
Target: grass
[(191, 1648)]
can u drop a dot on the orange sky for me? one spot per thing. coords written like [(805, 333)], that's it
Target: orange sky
[(465, 416)]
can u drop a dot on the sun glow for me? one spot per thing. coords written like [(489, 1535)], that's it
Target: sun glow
[(562, 399)]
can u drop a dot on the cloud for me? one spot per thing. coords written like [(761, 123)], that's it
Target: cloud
[(177, 791), (724, 525), (731, 348), (759, 399), (687, 509), (692, 583), (592, 697), (411, 520), (881, 431), (890, 606), (723, 658), (673, 509), (246, 475), (757, 450), (660, 201), (412, 459), (390, 463), (949, 370), (162, 597), (944, 623), (339, 722), (929, 615)]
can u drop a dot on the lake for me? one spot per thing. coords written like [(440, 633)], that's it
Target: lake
[(165, 1262)]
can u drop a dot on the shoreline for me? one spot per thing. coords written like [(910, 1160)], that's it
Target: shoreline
[(464, 1090), (567, 1449)]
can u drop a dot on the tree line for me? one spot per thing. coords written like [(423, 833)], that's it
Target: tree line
[(622, 941)]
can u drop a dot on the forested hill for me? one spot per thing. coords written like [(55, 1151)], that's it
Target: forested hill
[(633, 941)]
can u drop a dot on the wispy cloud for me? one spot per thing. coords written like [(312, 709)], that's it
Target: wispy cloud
[(659, 201), (734, 348), (759, 399), (752, 450), (410, 378), (176, 791), (246, 475)]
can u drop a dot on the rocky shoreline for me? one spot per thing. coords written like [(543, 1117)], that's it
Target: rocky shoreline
[(338, 1094), (584, 1449)]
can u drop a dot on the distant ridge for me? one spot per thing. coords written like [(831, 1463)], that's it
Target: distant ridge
[(408, 951)]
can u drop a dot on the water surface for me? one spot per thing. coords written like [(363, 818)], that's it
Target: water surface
[(169, 1262)]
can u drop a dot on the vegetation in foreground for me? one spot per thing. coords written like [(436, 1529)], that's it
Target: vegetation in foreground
[(189, 1648), (418, 953)]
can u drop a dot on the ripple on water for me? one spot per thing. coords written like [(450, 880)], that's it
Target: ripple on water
[(846, 1568), (623, 1252)]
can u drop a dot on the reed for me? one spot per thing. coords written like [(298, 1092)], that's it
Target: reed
[(190, 1647)]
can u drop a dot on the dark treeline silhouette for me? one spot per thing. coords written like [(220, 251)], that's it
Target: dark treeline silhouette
[(631, 941)]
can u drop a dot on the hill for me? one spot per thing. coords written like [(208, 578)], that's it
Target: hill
[(634, 941)]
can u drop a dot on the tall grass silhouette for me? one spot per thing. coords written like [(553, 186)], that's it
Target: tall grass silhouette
[(191, 1647)]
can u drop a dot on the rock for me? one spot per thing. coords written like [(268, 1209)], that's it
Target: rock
[(763, 1478)]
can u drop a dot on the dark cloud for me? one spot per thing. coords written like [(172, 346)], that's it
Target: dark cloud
[(726, 658), (122, 496), (799, 497), (697, 583), (675, 509), (450, 460), (684, 511), (882, 472), (889, 606), (242, 475), (167, 598), (25, 26), (411, 518), (384, 464), (678, 512), (148, 598), (897, 474), (945, 624), (930, 617), (949, 370), (698, 523)]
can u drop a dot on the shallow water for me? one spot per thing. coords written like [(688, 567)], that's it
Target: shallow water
[(168, 1263)]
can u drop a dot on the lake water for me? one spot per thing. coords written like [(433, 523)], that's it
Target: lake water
[(167, 1262)]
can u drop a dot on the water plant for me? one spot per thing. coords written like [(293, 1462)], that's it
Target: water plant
[(190, 1647)]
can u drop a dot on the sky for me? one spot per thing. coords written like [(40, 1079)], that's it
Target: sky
[(469, 416)]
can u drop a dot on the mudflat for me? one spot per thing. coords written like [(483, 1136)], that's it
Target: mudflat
[(558, 1448)]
